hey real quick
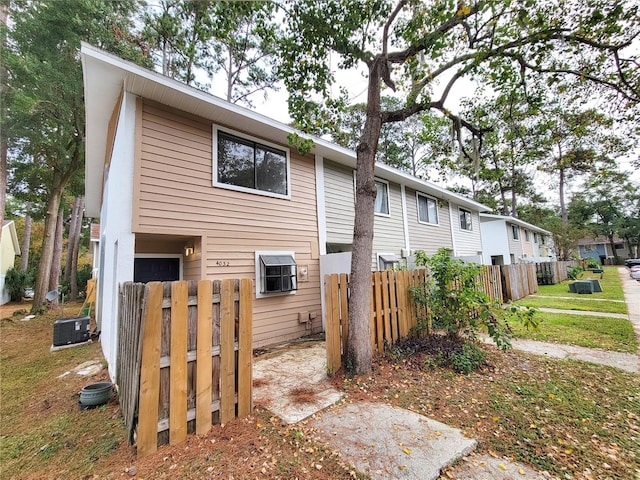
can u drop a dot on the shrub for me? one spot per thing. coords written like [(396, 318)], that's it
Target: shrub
[(592, 262), (468, 359), (16, 282), (457, 305), (573, 272)]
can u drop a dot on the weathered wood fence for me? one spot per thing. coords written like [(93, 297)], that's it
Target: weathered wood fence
[(185, 358), (550, 273), (519, 280)]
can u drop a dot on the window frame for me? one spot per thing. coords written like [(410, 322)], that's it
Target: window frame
[(515, 232), (380, 257), (527, 237), (386, 184), (257, 142), (259, 277), (427, 198), (470, 224)]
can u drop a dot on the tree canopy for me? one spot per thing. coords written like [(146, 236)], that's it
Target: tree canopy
[(419, 51)]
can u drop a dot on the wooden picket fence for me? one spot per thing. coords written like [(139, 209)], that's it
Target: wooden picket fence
[(520, 280), (190, 346), (394, 313)]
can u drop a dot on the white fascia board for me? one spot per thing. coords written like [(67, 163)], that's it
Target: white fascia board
[(517, 221)]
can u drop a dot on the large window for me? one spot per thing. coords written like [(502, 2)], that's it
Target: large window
[(515, 232), (427, 209), (244, 164), (382, 198), (465, 219)]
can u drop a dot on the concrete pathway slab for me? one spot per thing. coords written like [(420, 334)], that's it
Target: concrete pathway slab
[(624, 361), (623, 316), (385, 442), (292, 382), (573, 298), (486, 467)]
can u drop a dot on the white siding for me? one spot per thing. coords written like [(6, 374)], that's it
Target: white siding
[(494, 241), (388, 234), (339, 202), (116, 241)]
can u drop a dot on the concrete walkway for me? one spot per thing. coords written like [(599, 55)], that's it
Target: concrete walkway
[(386, 442), (581, 312)]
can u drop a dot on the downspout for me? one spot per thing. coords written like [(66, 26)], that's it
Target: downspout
[(453, 235), (405, 223), (322, 226)]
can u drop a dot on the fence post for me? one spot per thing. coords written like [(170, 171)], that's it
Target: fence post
[(203, 357), (245, 350), (150, 372), (227, 352)]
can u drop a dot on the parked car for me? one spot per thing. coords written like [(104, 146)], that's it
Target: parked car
[(634, 272), (630, 262)]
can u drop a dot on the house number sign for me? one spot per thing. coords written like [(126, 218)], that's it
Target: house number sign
[(223, 263)]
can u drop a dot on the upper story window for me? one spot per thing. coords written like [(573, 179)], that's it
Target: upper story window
[(243, 163), (535, 237), (382, 198), (515, 231), (526, 235), (465, 219), (427, 209)]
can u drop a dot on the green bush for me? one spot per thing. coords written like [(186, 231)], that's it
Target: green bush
[(574, 272), (467, 360), (16, 282), (592, 262), (457, 305)]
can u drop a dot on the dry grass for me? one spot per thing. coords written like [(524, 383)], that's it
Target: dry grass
[(301, 395)]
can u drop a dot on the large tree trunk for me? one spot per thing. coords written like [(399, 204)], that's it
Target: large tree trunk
[(26, 241), (359, 351), (56, 259), (76, 247), (46, 255), (71, 239)]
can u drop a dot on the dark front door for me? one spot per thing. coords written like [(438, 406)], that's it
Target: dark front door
[(156, 270)]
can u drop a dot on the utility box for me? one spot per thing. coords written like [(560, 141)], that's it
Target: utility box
[(67, 331), (583, 286)]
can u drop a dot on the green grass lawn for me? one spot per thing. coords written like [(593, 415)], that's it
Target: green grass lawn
[(577, 302), (586, 331), (611, 290), (610, 282)]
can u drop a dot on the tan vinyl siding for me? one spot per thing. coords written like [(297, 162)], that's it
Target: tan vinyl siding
[(527, 245), (468, 242), (175, 195), (424, 236), (515, 246), (339, 202)]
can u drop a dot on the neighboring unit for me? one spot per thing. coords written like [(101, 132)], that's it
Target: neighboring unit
[(606, 251), (410, 214), (9, 248), (508, 240)]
